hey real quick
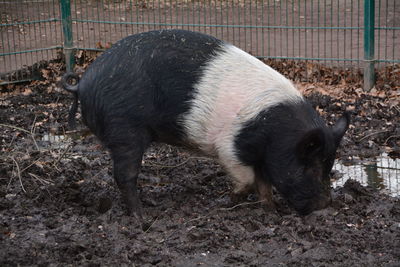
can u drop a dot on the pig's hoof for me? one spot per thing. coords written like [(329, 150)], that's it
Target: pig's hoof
[(105, 204), (269, 206), (133, 205), (238, 198), (134, 212)]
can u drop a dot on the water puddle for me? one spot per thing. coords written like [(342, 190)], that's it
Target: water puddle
[(382, 173), (56, 141), (53, 138), (62, 140)]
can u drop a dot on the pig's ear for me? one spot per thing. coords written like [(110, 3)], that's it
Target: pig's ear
[(341, 127), (311, 144)]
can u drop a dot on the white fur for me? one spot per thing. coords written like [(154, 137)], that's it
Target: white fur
[(235, 88)]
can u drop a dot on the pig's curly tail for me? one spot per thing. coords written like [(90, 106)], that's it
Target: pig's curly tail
[(70, 82)]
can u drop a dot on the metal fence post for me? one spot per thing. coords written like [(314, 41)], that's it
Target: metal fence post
[(369, 44), (67, 30)]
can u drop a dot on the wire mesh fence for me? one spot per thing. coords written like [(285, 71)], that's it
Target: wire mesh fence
[(383, 173), (325, 31), (30, 34)]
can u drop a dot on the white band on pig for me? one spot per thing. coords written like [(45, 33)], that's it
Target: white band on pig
[(233, 89)]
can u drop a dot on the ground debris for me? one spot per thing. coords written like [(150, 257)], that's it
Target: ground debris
[(59, 204)]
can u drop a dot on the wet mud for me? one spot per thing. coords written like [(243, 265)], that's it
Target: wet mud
[(59, 204)]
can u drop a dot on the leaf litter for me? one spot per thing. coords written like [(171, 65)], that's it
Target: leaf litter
[(59, 204)]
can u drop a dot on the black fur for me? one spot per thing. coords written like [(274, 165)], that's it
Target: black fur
[(294, 150), (145, 79), (68, 85)]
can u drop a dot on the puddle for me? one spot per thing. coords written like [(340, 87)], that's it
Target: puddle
[(382, 173), (62, 140), (56, 141), (53, 138)]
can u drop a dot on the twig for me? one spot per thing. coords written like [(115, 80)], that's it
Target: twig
[(12, 141), (22, 130), (242, 204), (174, 166), (215, 210), (33, 128), (292, 234), (166, 166), (152, 224), (62, 155), (390, 137), (371, 134), (15, 127), (30, 165), (19, 174), (80, 131), (98, 173), (9, 182), (227, 209), (33, 125), (43, 181)]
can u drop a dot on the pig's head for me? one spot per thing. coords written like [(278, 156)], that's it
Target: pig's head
[(295, 153), (299, 168)]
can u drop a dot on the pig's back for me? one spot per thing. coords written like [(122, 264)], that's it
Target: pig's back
[(146, 79)]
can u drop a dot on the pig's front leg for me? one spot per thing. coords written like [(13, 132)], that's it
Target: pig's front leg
[(247, 180), (264, 190), (243, 180), (240, 195)]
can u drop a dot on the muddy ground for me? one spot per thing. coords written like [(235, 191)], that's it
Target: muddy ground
[(59, 204)]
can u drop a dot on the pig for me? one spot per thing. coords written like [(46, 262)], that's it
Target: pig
[(193, 90)]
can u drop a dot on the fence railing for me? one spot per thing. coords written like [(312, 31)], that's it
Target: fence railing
[(346, 33)]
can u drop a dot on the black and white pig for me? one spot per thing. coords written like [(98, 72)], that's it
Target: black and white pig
[(190, 89)]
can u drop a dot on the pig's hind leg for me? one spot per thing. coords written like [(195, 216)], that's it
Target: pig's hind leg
[(127, 158)]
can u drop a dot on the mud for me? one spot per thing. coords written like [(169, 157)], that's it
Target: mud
[(59, 204)]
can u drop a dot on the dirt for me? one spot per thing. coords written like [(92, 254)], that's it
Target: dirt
[(59, 204)]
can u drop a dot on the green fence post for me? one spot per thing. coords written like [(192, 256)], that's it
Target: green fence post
[(67, 30), (369, 44)]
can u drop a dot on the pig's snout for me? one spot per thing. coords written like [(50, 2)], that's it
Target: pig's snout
[(324, 201), (316, 203)]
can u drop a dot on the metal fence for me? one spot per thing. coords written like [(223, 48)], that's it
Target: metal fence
[(349, 33), (382, 173)]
